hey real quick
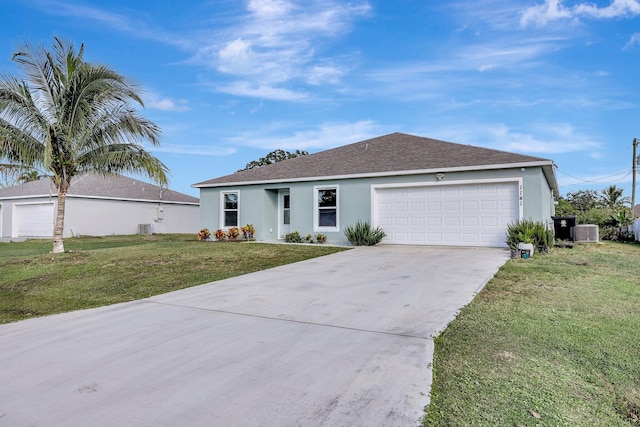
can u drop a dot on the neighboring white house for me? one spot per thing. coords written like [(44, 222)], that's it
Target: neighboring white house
[(420, 191), (96, 206)]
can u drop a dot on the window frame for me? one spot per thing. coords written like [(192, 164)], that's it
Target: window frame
[(223, 210), (317, 208)]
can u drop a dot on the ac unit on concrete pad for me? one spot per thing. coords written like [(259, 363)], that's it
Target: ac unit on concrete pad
[(145, 229), (587, 233)]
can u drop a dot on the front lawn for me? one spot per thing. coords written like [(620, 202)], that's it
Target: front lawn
[(98, 271), (551, 341)]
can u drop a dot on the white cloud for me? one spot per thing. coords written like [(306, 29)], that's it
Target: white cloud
[(157, 102), (553, 10), (505, 53), (617, 8), (536, 140), (262, 91), (269, 7), (634, 40), (280, 41), (120, 22), (466, 70), (320, 74), (550, 10), (326, 135)]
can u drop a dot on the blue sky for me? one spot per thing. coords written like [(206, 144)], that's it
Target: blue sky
[(229, 81)]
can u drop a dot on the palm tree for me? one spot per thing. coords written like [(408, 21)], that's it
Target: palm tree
[(28, 176), (612, 197), (69, 117)]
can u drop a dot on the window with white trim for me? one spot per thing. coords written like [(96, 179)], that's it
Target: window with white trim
[(326, 209), (230, 208)]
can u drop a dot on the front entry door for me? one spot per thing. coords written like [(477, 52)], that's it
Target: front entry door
[(285, 213)]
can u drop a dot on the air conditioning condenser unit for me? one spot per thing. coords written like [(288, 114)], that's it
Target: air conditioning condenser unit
[(586, 233)]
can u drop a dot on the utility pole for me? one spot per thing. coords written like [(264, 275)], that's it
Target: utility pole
[(633, 186)]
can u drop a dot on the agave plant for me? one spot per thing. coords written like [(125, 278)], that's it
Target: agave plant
[(528, 231), (362, 234)]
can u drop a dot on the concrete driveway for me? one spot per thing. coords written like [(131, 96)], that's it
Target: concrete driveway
[(342, 340)]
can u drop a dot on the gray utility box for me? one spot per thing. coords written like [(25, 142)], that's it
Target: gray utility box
[(587, 233)]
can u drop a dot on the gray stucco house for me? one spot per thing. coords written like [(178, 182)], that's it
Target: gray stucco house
[(420, 191), (96, 206)]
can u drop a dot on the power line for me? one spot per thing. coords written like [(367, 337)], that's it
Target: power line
[(596, 181)]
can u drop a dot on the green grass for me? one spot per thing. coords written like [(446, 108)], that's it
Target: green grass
[(555, 337), (98, 271)]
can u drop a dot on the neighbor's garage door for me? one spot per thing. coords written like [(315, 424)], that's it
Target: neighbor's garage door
[(454, 215), (34, 220)]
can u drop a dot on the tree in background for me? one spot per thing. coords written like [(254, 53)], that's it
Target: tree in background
[(584, 200), (274, 157), (69, 117), (612, 197)]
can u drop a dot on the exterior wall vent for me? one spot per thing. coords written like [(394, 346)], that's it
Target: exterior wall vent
[(587, 233), (145, 229)]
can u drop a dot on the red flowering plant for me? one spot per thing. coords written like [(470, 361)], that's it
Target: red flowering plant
[(233, 232), (204, 234), (248, 231)]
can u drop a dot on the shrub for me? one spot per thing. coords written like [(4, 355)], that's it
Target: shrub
[(204, 234), (602, 217), (308, 238), (529, 231), (363, 235), (616, 234), (293, 237), (233, 232), (220, 234), (321, 238), (248, 231)]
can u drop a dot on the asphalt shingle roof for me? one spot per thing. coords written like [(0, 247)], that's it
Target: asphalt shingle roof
[(396, 152), (112, 187)]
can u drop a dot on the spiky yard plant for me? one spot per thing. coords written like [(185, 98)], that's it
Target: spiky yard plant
[(362, 234)]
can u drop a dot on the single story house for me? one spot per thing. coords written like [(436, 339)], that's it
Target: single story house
[(420, 191), (96, 206)]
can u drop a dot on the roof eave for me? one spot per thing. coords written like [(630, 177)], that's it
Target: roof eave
[(79, 196), (543, 163)]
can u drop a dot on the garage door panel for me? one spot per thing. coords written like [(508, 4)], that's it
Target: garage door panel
[(385, 223), (470, 206), (385, 207), (489, 188), (434, 222), (451, 222), (489, 222), (469, 222), (418, 222), (417, 238), (400, 222), (451, 238), (416, 192), (466, 214), (471, 238)]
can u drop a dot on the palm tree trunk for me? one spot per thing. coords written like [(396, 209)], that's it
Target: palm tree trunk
[(58, 229)]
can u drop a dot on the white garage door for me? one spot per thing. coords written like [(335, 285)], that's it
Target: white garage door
[(34, 220), (453, 215)]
